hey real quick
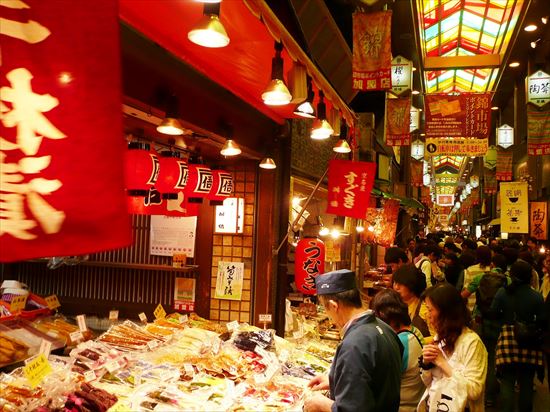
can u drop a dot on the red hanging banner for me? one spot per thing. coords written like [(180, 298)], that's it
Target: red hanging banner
[(464, 115), (398, 115), (308, 264), (538, 132), (349, 187), (372, 50), (416, 173), (490, 185), (61, 151), (504, 165)]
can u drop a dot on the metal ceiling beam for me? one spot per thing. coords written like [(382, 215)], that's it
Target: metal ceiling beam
[(479, 61)]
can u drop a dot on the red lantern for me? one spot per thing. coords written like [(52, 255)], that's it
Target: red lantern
[(173, 175), (309, 263), (142, 168), (200, 181), (222, 185)]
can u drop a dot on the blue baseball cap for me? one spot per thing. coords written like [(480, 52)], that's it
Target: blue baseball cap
[(335, 282)]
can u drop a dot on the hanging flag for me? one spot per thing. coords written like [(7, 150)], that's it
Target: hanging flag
[(416, 173), (372, 50), (539, 220), (61, 151), (475, 196), (464, 115), (490, 184), (538, 132), (398, 114), (504, 165), (514, 215), (425, 196), (349, 187)]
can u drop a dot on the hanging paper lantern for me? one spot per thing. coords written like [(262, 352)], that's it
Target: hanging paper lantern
[(222, 185), (309, 263), (426, 179), (505, 136), (173, 175), (200, 181), (141, 168), (474, 181)]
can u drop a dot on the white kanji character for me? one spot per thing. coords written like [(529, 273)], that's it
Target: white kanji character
[(30, 32)]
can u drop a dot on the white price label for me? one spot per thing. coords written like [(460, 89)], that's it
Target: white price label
[(81, 319), (152, 344), (234, 325), (45, 348), (89, 376), (112, 366), (265, 318), (143, 317), (113, 315), (189, 370), (184, 318), (76, 336)]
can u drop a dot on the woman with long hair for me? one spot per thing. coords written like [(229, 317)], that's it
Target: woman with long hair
[(456, 352)]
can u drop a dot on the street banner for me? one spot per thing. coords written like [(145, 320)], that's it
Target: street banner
[(456, 147), (416, 173), (538, 132), (539, 220), (372, 50), (514, 207), (398, 114), (465, 115), (504, 165), (349, 187), (61, 149)]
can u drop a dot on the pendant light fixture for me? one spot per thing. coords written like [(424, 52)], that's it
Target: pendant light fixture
[(306, 109), (209, 31), (342, 146), (268, 163), (230, 148), (276, 92), (170, 125), (321, 128)]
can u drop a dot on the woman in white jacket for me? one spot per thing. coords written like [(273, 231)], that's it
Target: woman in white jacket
[(457, 357)]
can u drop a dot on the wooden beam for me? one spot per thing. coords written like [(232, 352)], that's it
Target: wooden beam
[(478, 61)]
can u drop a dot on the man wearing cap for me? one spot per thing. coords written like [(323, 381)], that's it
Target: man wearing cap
[(366, 371)]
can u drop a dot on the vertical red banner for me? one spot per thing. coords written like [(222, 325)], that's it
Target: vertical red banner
[(398, 115), (538, 132), (490, 185), (416, 173), (61, 152), (308, 264), (372, 50), (504, 165)]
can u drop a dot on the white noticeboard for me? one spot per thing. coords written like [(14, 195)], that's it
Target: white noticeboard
[(172, 234)]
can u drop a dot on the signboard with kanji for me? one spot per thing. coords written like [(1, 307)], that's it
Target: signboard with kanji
[(539, 220), (505, 136), (514, 215), (401, 75), (456, 147), (229, 284), (538, 88)]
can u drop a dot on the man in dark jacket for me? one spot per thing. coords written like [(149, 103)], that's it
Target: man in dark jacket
[(366, 371)]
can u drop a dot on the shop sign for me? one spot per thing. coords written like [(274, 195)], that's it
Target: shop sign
[(398, 112), (184, 294), (538, 88), (200, 181), (444, 200), (309, 263), (401, 75), (170, 235), (415, 119), (229, 283), (61, 151), (417, 149), (505, 136), (490, 158), (456, 147), (222, 185), (514, 207), (230, 216), (538, 132), (539, 220), (463, 115), (37, 369), (349, 187)]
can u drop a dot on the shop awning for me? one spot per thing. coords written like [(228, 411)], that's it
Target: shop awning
[(495, 222)]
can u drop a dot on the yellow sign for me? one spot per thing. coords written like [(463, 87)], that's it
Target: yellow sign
[(514, 206), (18, 303), (120, 406), (52, 302), (37, 369), (539, 220), (159, 312), (456, 146)]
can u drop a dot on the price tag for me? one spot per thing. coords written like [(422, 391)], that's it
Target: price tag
[(81, 320), (52, 302), (112, 366), (89, 376), (231, 326), (143, 317), (45, 348), (183, 318), (137, 379), (113, 315), (76, 336), (18, 303), (36, 370), (159, 312), (189, 370), (284, 355), (265, 318), (152, 344), (298, 334)]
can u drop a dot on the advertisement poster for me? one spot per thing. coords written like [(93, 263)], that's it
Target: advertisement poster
[(229, 283), (465, 115), (184, 294), (398, 113), (539, 220), (514, 207), (172, 235), (456, 147)]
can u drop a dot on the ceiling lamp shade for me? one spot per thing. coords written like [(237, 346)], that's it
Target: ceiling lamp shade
[(209, 32), (276, 92), (230, 148), (306, 109), (170, 125), (141, 168), (342, 146), (222, 185), (173, 174), (268, 163), (321, 128)]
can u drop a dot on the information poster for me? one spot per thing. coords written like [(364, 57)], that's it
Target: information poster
[(171, 234), (229, 284), (184, 294), (514, 207)]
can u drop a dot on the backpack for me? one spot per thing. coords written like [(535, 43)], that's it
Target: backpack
[(489, 284)]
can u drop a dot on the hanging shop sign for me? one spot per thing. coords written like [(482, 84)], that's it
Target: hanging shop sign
[(398, 112), (173, 174), (381, 224), (538, 132), (222, 185), (170, 235), (372, 50), (349, 187), (184, 294), (490, 158), (401, 75), (539, 220), (415, 119), (456, 147), (229, 217), (504, 165), (309, 263), (417, 149), (538, 88), (66, 182), (445, 200), (490, 184), (229, 283), (505, 136), (416, 173), (200, 181), (464, 115), (514, 215)]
